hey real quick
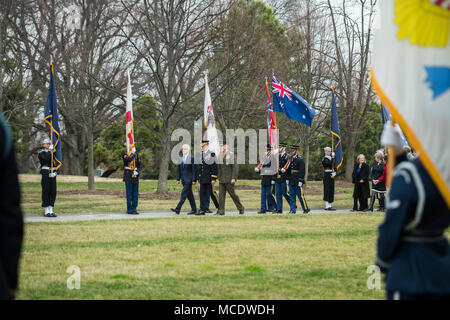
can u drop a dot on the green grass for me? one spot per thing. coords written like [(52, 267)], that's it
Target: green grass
[(230, 257), (110, 197)]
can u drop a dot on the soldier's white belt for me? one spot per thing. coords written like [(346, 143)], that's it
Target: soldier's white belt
[(45, 168), (328, 170), (127, 168)]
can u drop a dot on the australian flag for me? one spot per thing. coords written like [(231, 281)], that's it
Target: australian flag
[(287, 101), (336, 133), (52, 119)]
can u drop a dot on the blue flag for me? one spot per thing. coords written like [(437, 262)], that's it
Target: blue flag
[(336, 133), (52, 119), (386, 116), (287, 101)]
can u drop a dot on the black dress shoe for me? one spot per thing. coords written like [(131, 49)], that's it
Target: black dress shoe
[(261, 212), (306, 211), (291, 212), (331, 209), (175, 210), (279, 211), (201, 213), (192, 212), (208, 211), (241, 211)]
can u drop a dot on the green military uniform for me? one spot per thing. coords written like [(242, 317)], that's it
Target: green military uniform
[(227, 172)]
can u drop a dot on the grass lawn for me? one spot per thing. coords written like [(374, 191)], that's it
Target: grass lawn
[(323, 256), (109, 196)]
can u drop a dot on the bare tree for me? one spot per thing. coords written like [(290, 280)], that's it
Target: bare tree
[(173, 40)]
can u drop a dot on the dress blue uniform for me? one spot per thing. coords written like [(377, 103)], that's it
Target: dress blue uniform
[(280, 180), (296, 182), (412, 248)]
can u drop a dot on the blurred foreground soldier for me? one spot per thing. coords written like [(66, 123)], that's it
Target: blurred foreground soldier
[(378, 181), (187, 174), (48, 178), (267, 176), (207, 175), (328, 178), (281, 178), (132, 167), (228, 172), (296, 182), (412, 249), (11, 219)]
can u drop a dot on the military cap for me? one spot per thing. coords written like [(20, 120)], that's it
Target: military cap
[(47, 140), (327, 149)]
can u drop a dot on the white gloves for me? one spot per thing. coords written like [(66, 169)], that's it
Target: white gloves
[(391, 136), (300, 184), (282, 170), (273, 181), (135, 172), (50, 147), (333, 154), (133, 150), (333, 174), (52, 174), (256, 170), (287, 181)]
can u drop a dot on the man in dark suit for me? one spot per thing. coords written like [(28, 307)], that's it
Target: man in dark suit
[(187, 174), (11, 218)]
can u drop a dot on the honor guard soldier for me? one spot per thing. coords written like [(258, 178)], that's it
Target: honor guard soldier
[(296, 181), (11, 217), (132, 168), (48, 178), (412, 248), (207, 175), (328, 178), (187, 174), (228, 173), (268, 175), (281, 178)]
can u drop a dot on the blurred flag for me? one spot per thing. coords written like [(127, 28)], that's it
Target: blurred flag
[(271, 122), (287, 101), (410, 76), (386, 116), (52, 119), (336, 133), (129, 129), (209, 121)]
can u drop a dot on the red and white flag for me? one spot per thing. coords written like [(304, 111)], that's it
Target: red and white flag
[(209, 120), (129, 130)]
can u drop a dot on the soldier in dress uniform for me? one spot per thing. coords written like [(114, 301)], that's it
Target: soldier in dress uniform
[(412, 248), (187, 174), (228, 173), (11, 217), (267, 179), (328, 178), (281, 178), (207, 175), (48, 178), (296, 181), (131, 179)]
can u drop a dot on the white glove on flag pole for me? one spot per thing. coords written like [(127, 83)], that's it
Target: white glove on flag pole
[(209, 121)]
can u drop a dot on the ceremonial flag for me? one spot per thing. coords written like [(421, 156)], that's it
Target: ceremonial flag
[(386, 116), (129, 129), (209, 121), (410, 74), (52, 119), (271, 123), (336, 133), (287, 101)]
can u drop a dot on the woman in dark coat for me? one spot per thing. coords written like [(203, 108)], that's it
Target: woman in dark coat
[(378, 181), (360, 178)]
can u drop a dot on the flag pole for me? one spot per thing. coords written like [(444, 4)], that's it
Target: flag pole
[(51, 127), (332, 139), (391, 160)]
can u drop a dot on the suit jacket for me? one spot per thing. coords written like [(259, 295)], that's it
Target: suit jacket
[(187, 172)]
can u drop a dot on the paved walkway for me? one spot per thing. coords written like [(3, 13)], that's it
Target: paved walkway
[(143, 215)]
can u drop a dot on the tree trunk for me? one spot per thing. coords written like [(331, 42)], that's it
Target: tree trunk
[(73, 148), (90, 139), (164, 159), (350, 155)]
